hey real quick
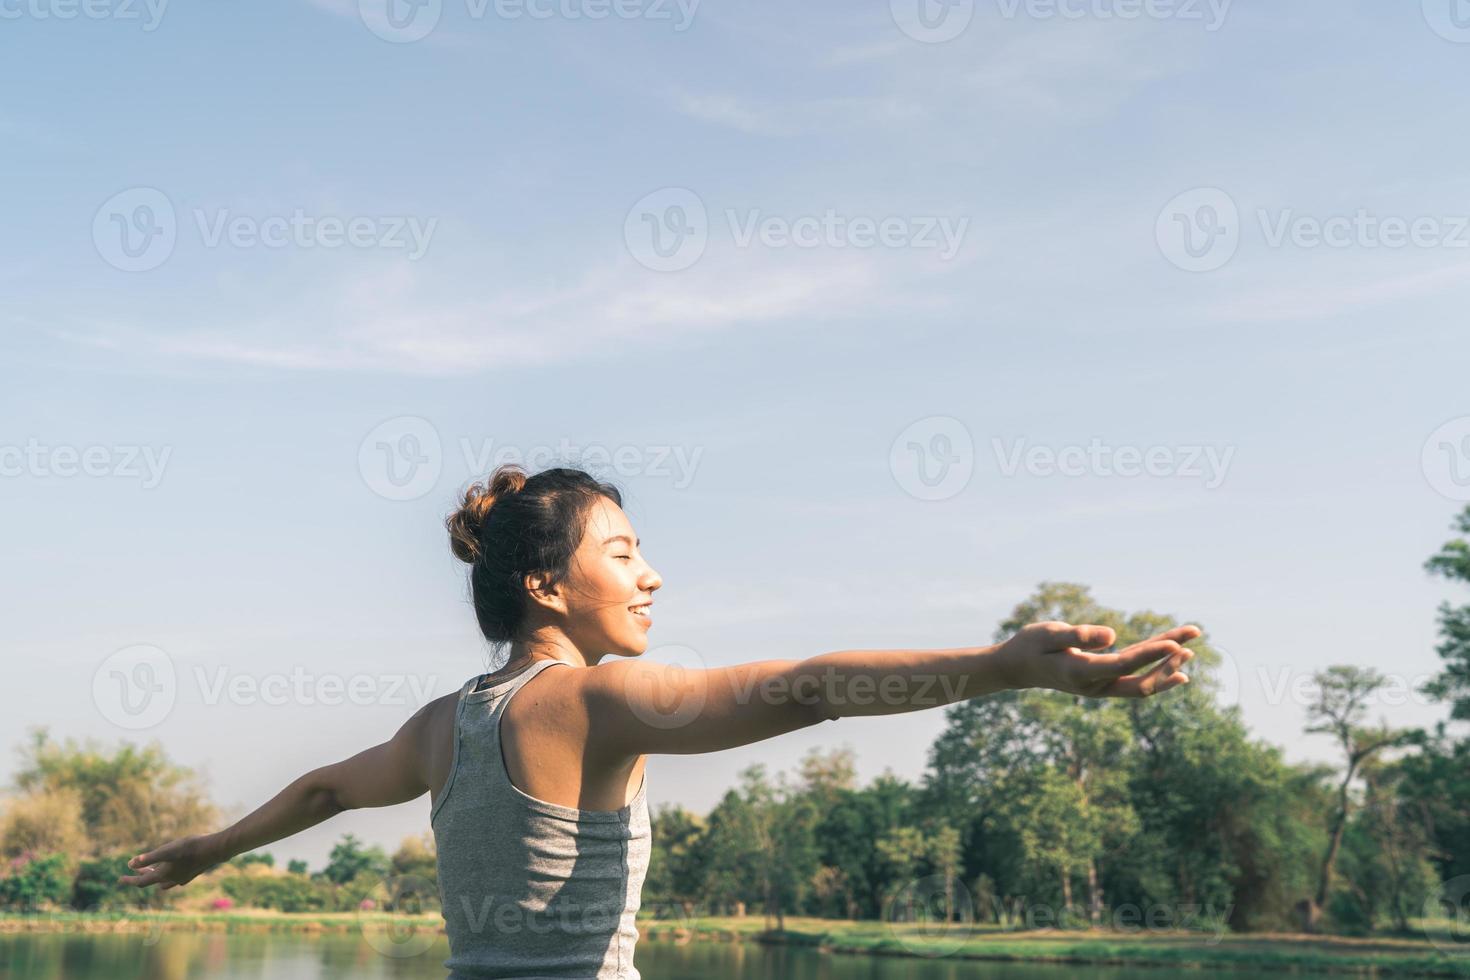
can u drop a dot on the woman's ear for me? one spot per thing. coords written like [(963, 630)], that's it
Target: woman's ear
[(544, 592)]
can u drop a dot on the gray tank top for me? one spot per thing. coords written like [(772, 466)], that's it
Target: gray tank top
[(531, 889)]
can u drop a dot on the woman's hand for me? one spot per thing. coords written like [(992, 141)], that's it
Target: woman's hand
[(1057, 656), (176, 863)]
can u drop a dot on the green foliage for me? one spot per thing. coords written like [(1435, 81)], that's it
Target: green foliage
[(349, 859), (1453, 683), (297, 867), (254, 857), (35, 881), (96, 887), (286, 893)]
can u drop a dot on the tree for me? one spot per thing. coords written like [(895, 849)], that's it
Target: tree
[(350, 859), (130, 796), (1385, 855), (1339, 709), (1453, 684), (47, 820), (675, 867), (254, 857)]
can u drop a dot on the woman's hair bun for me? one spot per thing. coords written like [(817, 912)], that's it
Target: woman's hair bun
[(466, 524)]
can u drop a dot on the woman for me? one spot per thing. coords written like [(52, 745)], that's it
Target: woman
[(538, 801)]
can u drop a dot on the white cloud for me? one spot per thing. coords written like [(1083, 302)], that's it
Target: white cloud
[(391, 322)]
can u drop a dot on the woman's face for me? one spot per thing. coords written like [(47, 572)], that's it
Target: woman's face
[(607, 580)]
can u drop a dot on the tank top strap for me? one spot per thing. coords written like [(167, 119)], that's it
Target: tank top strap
[(475, 721), (503, 688)]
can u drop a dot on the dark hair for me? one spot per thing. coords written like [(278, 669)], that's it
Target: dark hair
[(513, 525)]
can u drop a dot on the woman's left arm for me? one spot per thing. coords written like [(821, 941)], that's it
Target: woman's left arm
[(394, 772)]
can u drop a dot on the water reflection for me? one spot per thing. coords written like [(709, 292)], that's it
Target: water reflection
[(284, 956)]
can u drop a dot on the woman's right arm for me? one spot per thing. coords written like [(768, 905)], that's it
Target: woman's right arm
[(637, 707)]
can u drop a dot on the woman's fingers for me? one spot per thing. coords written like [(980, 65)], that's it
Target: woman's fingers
[(1127, 660), (1164, 677)]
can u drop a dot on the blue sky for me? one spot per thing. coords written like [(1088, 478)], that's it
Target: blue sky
[(1057, 241)]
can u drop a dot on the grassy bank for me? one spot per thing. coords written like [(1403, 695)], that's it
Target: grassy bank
[(1327, 954), (1387, 956)]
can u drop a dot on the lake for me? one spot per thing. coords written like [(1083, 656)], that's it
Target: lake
[(286, 956)]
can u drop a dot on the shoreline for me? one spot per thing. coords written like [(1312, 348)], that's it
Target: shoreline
[(1275, 952)]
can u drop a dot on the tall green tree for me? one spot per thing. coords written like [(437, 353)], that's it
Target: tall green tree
[(1339, 709), (1453, 683)]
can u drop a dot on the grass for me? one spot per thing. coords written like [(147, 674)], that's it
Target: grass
[(1388, 956), (1382, 955)]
